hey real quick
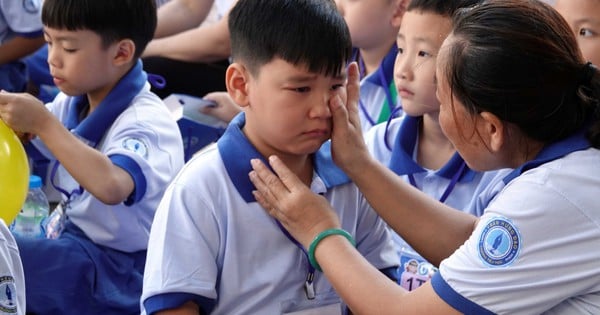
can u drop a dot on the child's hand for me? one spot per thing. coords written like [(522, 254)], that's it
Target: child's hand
[(226, 108), (23, 113)]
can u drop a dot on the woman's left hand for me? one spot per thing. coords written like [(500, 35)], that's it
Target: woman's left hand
[(302, 212)]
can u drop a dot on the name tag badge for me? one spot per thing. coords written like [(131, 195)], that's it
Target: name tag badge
[(55, 223), (414, 270)]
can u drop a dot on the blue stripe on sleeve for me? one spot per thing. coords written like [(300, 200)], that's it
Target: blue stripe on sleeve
[(131, 167), (453, 298), (167, 301)]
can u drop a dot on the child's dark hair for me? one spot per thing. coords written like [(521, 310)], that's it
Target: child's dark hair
[(440, 7), (112, 20), (519, 60), (302, 32)]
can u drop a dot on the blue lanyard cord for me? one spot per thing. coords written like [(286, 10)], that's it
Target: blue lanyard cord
[(451, 185), (63, 191), (387, 126), (308, 284), (391, 101)]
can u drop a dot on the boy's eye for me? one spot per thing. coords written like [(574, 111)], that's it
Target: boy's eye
[(424, 54), (400, 50), (303, 89), (336, 86), (585, 32)]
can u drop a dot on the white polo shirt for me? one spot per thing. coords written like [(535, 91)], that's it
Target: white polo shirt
[(535, 249), (213, 243), (12, 279)]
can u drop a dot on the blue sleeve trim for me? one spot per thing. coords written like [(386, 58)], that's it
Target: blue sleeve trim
[(453, 298), (392, 273), (33, 34), (167, 301), (131, 167)]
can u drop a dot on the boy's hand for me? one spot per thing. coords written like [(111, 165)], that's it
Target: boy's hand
[(23, 113)]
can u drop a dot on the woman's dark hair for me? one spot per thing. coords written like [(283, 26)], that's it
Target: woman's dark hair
[(519, 60)]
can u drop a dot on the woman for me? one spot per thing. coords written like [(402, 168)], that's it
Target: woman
[(515, 93)]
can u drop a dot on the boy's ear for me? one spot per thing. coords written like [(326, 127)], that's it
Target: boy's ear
[(125, 50), (399, 12), (237, 79), (493, 131)]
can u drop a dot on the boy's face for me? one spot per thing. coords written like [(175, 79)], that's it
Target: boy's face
[(78, 62), (419, 40), (584, 18), (371, 22), (287, 110)]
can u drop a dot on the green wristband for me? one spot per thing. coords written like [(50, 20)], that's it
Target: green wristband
[(319, 238)]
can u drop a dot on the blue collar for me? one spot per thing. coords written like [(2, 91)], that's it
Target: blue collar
[(93, 127), (236, 152), (387, 67), (402, 162), (551, 152)]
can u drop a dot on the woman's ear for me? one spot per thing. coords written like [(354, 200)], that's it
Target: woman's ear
[(492, 130), (237, 79), (125, 50)]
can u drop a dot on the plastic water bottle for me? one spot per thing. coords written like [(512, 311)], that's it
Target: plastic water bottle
[(28, 222)]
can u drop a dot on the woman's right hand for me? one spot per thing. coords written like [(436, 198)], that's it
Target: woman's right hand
[(347, 144)]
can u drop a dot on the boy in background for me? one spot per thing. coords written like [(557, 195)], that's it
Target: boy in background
[(373, 26), (113, 148), (20, 35), (289, 63), (584, 18), (414, 146)]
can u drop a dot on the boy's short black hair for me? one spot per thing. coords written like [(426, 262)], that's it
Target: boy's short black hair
[(441, 7), (301, 32), (112, 20)]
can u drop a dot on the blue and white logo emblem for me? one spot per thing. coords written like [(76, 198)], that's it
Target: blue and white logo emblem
[(32, 6), (499, 242), (8, 295), (137, 146)]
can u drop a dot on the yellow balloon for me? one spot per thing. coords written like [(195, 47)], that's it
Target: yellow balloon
[(14, 174)]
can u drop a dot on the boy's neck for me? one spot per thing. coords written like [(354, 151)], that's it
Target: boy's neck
[(434, 149), (372, 57), (302, 166)]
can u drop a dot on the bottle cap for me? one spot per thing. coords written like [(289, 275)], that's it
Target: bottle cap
[(35, 181)]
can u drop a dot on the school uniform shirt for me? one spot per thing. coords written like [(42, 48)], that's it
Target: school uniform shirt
[(378, 95), (18, 18), (455, 184), (535, 249), (12, 280), (134, 128), (211, 242)]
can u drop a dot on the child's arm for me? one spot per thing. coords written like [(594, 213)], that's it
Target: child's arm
[(19, 47), (90, 168)]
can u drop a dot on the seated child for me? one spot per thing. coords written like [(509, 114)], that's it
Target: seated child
[(243, 261), (584, 18), (12, 281), (113, 148), (20, 35), (414, 146)]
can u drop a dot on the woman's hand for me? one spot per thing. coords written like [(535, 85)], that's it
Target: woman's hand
[(347, 144), (303, 213)]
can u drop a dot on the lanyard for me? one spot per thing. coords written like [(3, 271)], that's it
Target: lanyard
[(309, 287), (387, 87), (451, 185), (67, 194)]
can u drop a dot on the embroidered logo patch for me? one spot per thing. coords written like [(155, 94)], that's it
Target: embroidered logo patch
[(137, 146), (32, 6), (499, 242), (8, 295)]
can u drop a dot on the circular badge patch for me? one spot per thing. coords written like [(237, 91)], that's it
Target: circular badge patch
[(499, 242), (8, 295), (137, 146)]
